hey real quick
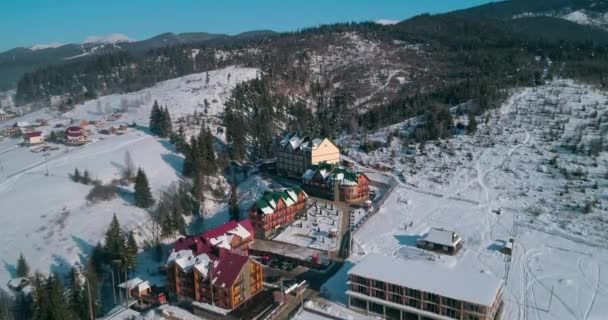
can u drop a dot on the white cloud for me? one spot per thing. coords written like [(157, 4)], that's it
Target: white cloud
[(387, 22), (111, 38), (46, 46)]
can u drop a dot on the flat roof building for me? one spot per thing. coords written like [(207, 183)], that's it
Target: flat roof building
[(420, 290)]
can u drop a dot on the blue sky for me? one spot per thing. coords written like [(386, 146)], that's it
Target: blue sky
[(29, 22)]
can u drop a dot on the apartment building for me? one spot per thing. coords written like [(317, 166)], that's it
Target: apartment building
[(422, 290), (214, 268), (295, 153), (276, 210), (333, 182)]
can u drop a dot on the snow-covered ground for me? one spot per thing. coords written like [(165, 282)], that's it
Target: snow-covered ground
[(182, 96), (502, 183), (47, 217), (313, 230)]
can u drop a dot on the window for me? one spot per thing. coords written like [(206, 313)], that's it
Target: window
[(395, 298), (472, 317), (451, 313), (413, 293), (432, 297), (431, 307), (413, 303)]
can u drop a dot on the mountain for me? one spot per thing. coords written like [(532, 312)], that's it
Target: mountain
[(593, 13), (15, 62)]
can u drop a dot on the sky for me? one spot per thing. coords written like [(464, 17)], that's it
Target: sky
[(24, 23)]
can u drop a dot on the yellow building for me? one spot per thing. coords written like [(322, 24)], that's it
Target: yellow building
[(296, 153)]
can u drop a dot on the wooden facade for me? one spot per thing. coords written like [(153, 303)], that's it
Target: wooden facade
[(267, 219)]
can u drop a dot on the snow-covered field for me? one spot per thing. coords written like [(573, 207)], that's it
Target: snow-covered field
[(47, 217), (502, 183)]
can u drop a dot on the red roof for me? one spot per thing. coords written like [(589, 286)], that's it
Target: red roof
[(194, 243), (223, 229), (228, 268), (33, 134), (73, 129), (74, 134)]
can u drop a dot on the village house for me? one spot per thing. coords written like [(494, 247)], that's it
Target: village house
[(440, 240), (295, 153), (276, 210), (200, 272), (333, 182), (3, 115), (17, 128), (33, 138), (75, 136), (417, 289), (143, 292)]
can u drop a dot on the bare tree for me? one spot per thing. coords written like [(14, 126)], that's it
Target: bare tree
[(130, 168)]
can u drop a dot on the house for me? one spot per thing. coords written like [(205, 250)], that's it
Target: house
[(295, 153), (233, 236), (3, 115), (199, 272), (17, 128), (440, 240), (142, 291), (75, 136), (333, 182), (33, 138), (419, 289), (275, 210)]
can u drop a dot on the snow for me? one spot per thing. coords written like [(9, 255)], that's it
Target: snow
[(577, 17), (387, 22), (427, 276), (46, 46), (183, 96), (170, 312), (499, 184), (312, 231), (110, 38), (319, 309), (440, 236)]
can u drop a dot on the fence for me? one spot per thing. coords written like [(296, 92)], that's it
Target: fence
[(393, 183)]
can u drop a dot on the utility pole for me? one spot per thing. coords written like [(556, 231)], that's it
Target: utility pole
[(113, 287)]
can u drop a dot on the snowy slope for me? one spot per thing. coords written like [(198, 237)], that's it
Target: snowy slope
[(505, 167), (48, 219)]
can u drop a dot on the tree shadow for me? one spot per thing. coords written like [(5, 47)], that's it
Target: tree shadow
[(86, 249), (61, 266), (407, 239), (11, 268), (125, 194), (167, 145), (176, 162), (497, 245)]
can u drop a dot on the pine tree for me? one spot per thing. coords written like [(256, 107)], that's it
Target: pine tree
[(7, 305), (180, 140), (178, 222), (168, 124), (90, 287), (23, 268), (143, 196), (114, 241), (155, 118), (472, 126), (86, 179), (53, 136), (77, 294), (50, 302), (131, 251), (76, 177), (166, 224), (235, 213)]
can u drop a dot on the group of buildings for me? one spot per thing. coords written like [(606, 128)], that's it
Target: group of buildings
[(215, 269), (73, 135)]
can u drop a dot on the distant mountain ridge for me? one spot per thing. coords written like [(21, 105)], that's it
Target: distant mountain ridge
[(15, 62)]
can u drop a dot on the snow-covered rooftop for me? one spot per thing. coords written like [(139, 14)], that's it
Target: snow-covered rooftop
[(478, 288), (442, 237)]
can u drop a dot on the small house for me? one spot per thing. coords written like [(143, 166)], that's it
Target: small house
[(508, 247), (18, 284), (3, 115), (33, 138), (75, 136), (440, 240)]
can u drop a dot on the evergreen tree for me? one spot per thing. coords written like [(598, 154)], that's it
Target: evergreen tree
[(131, 251), (50, 301), (53, 136), (189, 158), (235, 213), (86, 179), (90, 288), (6, 306), (180, 140), (143, 196), (114, 247), (472, 126), (76, 177), (155, 118), (168, 124), (77, 294), (23, 268), (178, 222)]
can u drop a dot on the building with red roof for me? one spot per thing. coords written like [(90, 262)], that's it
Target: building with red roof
[(75, 136), (32, 138), (214, 268)]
